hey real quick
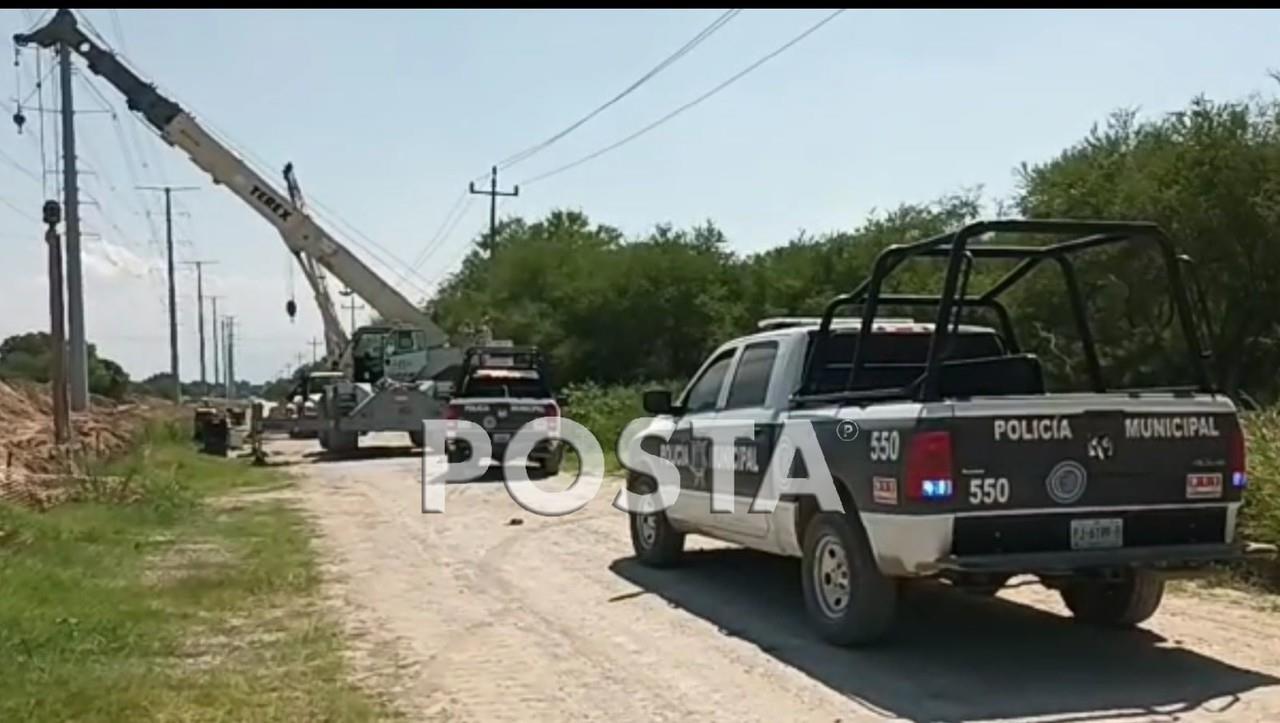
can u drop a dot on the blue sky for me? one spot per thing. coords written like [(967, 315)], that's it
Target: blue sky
[(386, 116)]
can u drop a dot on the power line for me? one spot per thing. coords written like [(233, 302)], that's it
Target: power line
[(18, 210), (19, 167), (444, 269), (686, 106), (118, 28), (315, 206), (460, 257), (397, 265), (702, 35), (131, 152), (435, 238), (449, 233)]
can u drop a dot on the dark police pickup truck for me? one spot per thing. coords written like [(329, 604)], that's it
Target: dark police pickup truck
[(501, 388), (949, 456)]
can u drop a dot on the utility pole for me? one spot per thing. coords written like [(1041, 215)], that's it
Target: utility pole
[(493, 194), (314, 344), (173, 301), (217, 377), (61, 426), (204, 380), (79, 366), (229, 339), (352, 306)]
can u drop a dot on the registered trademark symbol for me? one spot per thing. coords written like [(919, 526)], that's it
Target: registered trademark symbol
[(847, 430)]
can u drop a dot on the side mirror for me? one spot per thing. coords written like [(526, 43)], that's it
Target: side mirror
[(658, 401)]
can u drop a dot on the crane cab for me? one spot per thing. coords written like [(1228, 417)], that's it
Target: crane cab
[(399, 353)]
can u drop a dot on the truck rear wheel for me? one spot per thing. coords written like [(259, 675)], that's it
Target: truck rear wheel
[(418, 438), (340, 441), (1123, 603), (849, 600), (551, 463)]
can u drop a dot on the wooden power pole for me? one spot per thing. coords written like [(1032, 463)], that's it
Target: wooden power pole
[(493, 194), (61, 421)]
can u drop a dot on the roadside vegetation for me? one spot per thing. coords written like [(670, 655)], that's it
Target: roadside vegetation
[(176, 587), (614, 311), (1260, 516)]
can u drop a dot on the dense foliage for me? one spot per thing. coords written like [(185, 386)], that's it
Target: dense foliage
[(616, 310), (30, 356)]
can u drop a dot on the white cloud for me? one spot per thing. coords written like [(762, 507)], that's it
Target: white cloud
[(112, 261)]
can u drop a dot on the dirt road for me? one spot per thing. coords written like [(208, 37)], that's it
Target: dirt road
[(488, 612)]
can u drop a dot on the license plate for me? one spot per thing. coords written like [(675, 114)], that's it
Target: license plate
[(1095, 534), (1204, 486), (502, 437)]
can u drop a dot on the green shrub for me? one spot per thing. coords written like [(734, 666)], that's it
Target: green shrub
[(1260, 515), (607, 410)]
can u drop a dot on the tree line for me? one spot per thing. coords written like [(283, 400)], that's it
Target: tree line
[(615, 310)]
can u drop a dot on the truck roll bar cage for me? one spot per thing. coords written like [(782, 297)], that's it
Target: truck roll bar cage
[(522, 357), (960, 251)]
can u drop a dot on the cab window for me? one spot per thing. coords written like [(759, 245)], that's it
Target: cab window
[(751, 379), (405, 342), (705, 391)]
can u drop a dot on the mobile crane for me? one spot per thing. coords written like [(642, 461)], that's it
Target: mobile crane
[(394, 374)]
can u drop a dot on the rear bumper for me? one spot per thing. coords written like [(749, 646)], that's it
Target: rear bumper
[(1172, 557), (1180, 536), (546, 449)]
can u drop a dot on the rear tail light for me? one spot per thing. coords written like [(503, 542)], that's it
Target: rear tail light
[(451, 414), (551, 412), (929, 467), (1236, 462)]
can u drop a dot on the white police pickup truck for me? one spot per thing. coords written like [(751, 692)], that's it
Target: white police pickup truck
[(949, 457)]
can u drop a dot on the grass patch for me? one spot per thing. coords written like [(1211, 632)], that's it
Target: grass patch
[(149, 601), (606, 411)]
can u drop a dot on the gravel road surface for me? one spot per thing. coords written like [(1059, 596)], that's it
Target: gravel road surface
[(490, 613)]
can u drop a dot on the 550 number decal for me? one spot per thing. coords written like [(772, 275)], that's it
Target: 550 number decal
[(884, 445), (988, 490)]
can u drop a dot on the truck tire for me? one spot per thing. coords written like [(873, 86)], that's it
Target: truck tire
[(849, 601), (1123, 603), (343, 441), (551, 463), (655, 541), (418, 438), (455, 454)]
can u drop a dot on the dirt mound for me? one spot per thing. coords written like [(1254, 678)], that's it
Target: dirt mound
[(32, 468)]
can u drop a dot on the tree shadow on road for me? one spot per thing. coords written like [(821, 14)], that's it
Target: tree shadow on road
[(953, 656)]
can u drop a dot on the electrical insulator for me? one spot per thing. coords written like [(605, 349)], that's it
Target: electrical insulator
[(19, 119), (292, 308)]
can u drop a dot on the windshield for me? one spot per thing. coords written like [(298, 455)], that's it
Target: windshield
[(483, 386)]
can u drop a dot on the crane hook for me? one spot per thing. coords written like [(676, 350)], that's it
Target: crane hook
[(291, 307), (18, 118)]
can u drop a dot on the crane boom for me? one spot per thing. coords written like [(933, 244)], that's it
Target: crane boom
[(301, 233), (335, 339)]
